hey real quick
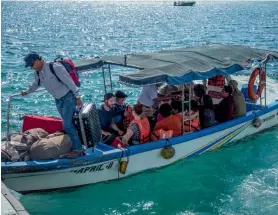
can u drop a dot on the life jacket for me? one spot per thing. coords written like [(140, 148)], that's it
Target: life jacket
[(195, 123), (128, 119), (144, 128), (217, 81), (161, 134)]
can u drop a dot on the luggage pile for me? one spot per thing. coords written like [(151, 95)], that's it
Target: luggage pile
[(35, 144), (42, 137)]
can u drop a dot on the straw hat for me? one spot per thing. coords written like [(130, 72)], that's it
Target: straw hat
[(166, 90)]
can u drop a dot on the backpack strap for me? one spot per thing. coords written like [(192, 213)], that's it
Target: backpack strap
[(53, 71), (39, 80)]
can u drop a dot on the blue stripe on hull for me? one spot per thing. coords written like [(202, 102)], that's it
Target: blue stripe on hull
[(36, 166)]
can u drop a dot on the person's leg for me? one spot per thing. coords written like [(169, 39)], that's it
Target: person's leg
[(58, 103), (67, 110)]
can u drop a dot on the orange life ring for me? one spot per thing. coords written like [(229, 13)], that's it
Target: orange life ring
[(254, 96)]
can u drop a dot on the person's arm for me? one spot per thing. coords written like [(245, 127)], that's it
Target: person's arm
[(64, 77), (127, 136), (105, 132), (33, 86), (115, 127), (162, 98)]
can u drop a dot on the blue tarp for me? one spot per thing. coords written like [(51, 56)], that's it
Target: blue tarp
[(184, 65)]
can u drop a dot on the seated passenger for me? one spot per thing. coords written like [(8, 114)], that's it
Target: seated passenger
[(165, 110), (207, 112), (139, 129), (178, 94), (167, 92), (240, 106), (199, 91), (225, 109), (119, 109), (193, 116), (106, 116), (172, 122)]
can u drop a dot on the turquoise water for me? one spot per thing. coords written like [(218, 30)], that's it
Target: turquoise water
[(241, 179)]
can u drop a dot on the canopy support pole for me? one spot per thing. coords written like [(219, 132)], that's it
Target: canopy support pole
[(105, 83), (189, 109), (263, 83)]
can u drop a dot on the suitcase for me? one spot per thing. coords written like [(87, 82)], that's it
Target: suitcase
[(88, 126), (48, 123)]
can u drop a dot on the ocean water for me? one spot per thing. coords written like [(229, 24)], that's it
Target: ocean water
[(239, 179)]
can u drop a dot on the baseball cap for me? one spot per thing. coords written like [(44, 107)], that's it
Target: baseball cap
[(31, 58), (120, 94)]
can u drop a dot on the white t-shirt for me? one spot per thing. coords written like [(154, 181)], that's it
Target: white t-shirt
[(147, 95)]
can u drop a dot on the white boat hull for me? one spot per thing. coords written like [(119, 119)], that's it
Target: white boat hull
[(109, 170)]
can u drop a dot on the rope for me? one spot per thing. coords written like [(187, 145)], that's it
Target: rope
[(167, 141)]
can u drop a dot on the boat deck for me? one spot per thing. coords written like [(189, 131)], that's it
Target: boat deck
[(10, 204)]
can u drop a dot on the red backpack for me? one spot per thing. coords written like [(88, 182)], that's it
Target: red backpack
[(69, 66)]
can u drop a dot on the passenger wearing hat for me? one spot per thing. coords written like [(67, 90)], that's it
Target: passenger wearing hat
[(106, 115), (65, 92), (119, 108), (167, 90), (240, 105)]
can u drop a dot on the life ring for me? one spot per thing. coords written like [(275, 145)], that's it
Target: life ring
[(255, 96)]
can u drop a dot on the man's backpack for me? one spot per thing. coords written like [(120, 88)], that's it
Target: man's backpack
[(69, 66)]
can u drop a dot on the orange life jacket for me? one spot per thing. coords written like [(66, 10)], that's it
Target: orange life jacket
[(128, 119), (217, 81), (161, 134), (144, 128), (195, 123)]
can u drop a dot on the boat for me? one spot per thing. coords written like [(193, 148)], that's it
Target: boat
[(184, 3), (176, 67)]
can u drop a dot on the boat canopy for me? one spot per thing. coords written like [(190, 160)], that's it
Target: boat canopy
[(183, 65), (88, 64)]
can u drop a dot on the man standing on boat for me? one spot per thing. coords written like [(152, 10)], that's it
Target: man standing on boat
[(65, 92)]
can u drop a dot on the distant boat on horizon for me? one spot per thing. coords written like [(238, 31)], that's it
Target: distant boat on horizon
[(184, 3)]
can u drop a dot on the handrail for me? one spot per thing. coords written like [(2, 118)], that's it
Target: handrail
[(8, 111)]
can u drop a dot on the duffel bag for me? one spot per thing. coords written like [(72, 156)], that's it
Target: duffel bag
[(50, 147), (28, 138), (10, 154)]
